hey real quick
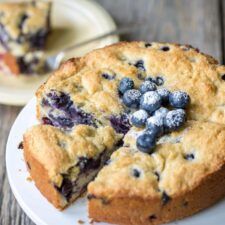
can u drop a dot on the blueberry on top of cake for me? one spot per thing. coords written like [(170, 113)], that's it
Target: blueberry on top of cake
[(156, 103), (24, 27)]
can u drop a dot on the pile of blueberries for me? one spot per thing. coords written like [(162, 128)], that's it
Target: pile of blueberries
[(159, 111)]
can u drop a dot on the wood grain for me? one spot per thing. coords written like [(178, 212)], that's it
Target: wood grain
[(197, 22)]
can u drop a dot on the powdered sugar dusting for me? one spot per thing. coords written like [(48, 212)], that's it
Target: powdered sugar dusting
[(150, 98), (178, 95), (133, 94), (147, 86), (162, 111), (175, 117), (163, 92), (156, 120), (140, 114)]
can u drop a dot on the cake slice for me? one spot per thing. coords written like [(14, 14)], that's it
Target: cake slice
[(24, 27), (62, 165), (185, 174)]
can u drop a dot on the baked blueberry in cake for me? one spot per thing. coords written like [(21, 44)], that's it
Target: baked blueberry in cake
[(156, 109), (24, 27)]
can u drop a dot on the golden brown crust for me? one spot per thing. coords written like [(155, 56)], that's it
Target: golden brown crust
[(137, 211), (39, 175)]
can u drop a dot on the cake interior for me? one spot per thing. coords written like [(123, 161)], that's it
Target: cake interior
[(73, 184)]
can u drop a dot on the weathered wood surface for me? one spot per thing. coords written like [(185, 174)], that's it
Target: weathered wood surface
[(197, 22)]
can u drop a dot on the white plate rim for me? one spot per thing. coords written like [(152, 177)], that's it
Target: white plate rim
[(107, 23)]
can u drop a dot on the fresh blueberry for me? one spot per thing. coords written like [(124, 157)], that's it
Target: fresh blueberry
[(174, 119), (150, 101), (164, 94), (140, 65), (147, 86), (146, 142), (179, 99), (139, 118), (155, 125), (131, 98), (161, 112), (126, 84)]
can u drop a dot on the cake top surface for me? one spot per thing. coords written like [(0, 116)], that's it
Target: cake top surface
[(85, 91), (179, 163), (92, 81)]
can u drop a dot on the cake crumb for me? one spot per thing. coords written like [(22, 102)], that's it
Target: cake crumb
[(20, 146), (29, 179), (80, 221)]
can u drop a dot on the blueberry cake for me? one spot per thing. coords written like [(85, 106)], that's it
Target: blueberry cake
[(24, 27), (149, 116)]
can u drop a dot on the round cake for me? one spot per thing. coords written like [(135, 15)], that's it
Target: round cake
[(98, 113)]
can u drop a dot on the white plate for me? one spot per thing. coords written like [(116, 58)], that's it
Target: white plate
[(42, 212), (73, 21)]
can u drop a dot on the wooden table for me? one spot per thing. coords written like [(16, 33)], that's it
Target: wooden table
[(200, 23)]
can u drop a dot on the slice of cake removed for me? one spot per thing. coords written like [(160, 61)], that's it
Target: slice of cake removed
[(185, 174), (24, 27), (62, 165)]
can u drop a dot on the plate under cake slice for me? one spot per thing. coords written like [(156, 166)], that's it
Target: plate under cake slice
[(85, 101), (185, 174), (24, 27)]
